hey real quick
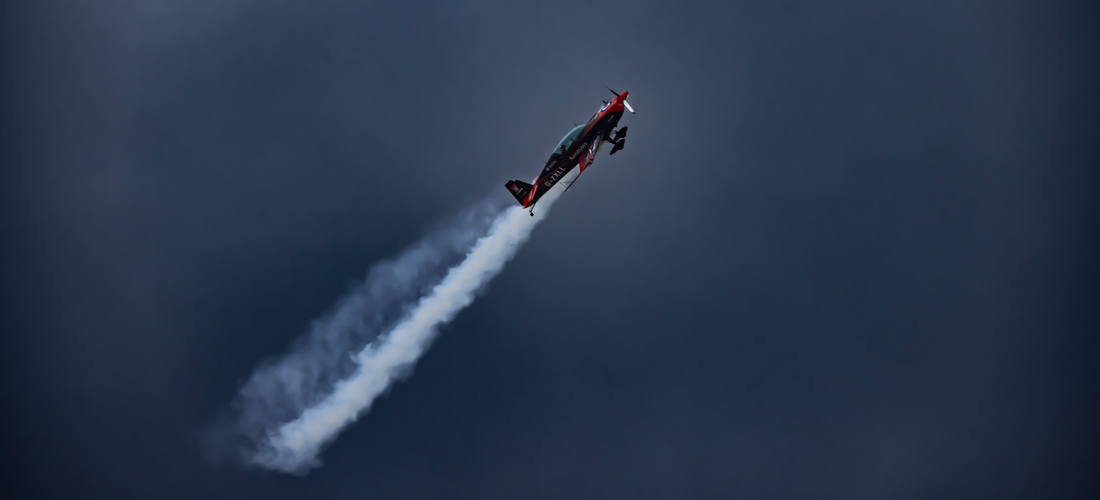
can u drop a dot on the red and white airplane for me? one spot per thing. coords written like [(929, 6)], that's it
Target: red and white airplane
[(577, 148)]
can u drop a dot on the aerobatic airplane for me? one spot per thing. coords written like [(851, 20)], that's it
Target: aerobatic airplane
[(577, 148)]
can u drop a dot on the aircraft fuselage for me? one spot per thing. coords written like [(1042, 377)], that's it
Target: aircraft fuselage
[(578, 148)]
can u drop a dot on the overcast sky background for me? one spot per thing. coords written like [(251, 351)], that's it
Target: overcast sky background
[(849, 251)]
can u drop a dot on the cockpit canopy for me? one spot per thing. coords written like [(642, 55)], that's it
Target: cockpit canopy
[(569, 139)]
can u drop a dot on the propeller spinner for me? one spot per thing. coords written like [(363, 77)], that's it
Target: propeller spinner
[(627, 104)]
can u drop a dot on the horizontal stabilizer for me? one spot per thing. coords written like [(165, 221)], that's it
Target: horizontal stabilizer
[(519, 189)]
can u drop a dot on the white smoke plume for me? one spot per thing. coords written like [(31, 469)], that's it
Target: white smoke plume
[(291, 408)]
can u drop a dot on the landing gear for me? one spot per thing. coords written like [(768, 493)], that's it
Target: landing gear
[(618, 145), (619, 140)]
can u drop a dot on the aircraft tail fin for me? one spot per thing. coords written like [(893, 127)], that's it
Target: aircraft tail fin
[(519, 189)]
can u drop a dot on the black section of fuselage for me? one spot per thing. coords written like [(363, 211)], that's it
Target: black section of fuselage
[(561, 164)]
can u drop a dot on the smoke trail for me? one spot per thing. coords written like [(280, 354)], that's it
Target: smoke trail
[(289, 410)]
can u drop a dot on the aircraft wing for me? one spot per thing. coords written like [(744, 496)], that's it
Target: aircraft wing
[(588, 158), (590, 153)]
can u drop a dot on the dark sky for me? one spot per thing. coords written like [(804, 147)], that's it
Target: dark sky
[(849, 251)]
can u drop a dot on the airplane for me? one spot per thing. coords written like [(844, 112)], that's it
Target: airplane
[(577, 148)]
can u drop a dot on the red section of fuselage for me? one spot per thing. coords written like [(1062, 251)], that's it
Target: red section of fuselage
[(530, 199), (613, 106)]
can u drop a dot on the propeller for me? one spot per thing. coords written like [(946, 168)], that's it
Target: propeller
[(627, 104)]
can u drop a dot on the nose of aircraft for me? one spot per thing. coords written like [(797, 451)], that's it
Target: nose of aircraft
[(622, 99)]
